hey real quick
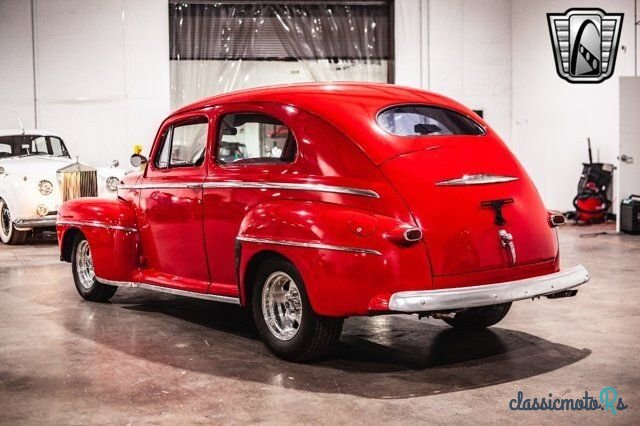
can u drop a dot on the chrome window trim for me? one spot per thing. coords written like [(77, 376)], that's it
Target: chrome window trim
[(174, 291), (490, 294), (318, 187), (304, 244), (479, 179), (95, 224)]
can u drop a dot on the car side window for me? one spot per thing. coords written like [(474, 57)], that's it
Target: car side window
[(39, 145), (183, 144), (250, 138)]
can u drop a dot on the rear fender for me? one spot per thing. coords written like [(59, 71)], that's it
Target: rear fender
[(111, 229), (343, 254)]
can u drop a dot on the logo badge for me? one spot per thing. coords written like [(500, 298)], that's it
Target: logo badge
[(585, 43)]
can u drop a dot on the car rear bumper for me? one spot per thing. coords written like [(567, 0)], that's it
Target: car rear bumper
[(491, 294), (40, 222)]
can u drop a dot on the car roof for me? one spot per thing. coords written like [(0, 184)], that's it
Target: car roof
[(349, 106), (28, 132)]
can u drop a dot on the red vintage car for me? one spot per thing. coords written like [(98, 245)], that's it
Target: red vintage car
[(311, 203)]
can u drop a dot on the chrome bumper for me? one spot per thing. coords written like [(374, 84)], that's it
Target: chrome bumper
[(491, 294), (41, 222)]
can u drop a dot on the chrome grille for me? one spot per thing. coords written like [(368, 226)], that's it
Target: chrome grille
[(78, 183)]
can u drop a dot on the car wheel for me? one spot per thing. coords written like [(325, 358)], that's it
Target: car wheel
[(480, 317), (84, 275), (284, 317), (8, 232)]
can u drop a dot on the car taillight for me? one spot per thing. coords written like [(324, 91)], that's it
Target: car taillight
[(404, 235), (556, 219)]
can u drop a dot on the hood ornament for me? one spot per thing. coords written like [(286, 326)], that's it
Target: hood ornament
[(506, 239)]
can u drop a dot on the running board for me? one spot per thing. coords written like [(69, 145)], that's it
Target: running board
[(175, 291)]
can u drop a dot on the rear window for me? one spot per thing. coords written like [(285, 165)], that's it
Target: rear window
[(417, 120)]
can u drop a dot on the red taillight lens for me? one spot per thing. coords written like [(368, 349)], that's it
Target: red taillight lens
[(556, 219)]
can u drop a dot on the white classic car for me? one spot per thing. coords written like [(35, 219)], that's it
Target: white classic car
[(37, 174)]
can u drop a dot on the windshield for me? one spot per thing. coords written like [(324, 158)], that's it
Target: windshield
[(419, 120), (30, 145)]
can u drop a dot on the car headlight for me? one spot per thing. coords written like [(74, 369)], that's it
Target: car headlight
[(45, 187), (112, 183)]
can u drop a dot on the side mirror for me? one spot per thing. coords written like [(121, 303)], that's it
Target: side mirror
[(137, 160)]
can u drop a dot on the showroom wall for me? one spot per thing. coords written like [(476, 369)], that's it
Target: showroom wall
[(101, 74), (16, 72), (496, 56), (460, 48), (552, 118)]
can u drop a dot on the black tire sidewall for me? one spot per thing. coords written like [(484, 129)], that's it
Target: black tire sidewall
[(287, 349), (15, 237)]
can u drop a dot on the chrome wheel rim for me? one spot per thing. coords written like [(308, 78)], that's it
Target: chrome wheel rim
[(84, 265), (282, 305), (5, 219)]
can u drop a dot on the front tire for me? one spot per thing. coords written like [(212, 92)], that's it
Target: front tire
[(479, 318), (84, 276), (284, 318), (8, 232)]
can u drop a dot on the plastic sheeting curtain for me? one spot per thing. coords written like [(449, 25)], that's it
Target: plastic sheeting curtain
[(220, 47)]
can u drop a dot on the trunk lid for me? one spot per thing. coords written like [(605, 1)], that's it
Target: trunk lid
[(460, 227)]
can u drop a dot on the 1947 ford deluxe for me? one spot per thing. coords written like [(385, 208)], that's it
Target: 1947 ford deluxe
[(311, 203)]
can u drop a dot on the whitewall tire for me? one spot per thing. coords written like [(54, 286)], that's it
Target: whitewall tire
[(8, 232)]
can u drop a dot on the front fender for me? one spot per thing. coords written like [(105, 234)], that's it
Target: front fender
[(348, 263), (111, 229)]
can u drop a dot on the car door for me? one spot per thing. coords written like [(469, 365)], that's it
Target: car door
[(253, 144), (171, 205)]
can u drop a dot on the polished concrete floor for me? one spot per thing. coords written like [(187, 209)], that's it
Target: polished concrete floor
[(152, 358)]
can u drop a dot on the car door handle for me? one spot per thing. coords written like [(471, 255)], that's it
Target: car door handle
[(625, 158)]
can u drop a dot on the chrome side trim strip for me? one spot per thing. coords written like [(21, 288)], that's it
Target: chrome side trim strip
[(259, 185), (491, 294), (320, 246), (318, 187), (175, 291), (95, 224), (186, 185), (480, 179)]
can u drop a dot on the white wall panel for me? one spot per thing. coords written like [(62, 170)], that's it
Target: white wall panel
[(461, 49), (553, 118), (16, 68), (102, 73), (409, 43)]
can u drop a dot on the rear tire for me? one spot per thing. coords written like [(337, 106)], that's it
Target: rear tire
[(84, 276), (284, 318), (479, 318), (8, 232)]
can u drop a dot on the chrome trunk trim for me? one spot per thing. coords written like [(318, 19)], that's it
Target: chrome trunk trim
[(305, 244), (174, 291), (480, 179), (95, 224), (491, 294)]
